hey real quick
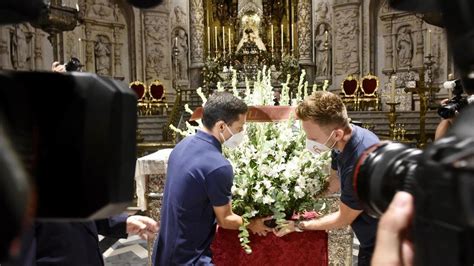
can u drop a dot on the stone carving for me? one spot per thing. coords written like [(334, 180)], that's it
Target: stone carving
[(117, 13), (249, 6), (385, 7), (179, 16), (322, 11), (20, 47), (102, 54), (101, 9), (304, 31), (182, 60), (323, 53), (197, 32), (404, 47), (117, 52), (347, 41), (157, 47)]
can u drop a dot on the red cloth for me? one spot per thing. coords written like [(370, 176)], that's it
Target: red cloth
[(306, 248)]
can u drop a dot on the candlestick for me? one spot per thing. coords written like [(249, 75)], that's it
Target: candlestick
[(282, 33), (271, 29), (228, 37), (392, 91), (209, 40), (223, 40), (79, 54), (428, 42), (215, 35)]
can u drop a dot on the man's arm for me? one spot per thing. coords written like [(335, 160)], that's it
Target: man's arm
[(227, 219), (343, 217)]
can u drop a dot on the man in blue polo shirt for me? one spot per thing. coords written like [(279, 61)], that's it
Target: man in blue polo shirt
[(198, 187), (325, 121)]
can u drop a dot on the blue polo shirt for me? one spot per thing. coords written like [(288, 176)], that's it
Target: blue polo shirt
[(364, 226), (198, 178)]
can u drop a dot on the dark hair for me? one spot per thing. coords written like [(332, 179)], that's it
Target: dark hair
[(222, 106)]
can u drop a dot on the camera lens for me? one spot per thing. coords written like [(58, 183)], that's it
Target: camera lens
[(381, 171), (448, 111)]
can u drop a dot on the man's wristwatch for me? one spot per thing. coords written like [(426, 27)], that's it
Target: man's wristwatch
[(299, 226)]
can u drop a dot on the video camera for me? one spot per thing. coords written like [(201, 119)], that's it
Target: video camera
[(441, 177), (456, 103), (73, 65)]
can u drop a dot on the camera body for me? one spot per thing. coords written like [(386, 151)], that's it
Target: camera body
[(441, 179), (73, 65), (456, 103)]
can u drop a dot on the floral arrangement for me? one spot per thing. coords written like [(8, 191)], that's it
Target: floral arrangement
[(274, 175)]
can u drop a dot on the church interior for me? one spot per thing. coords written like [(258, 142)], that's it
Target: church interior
[(388, 66)]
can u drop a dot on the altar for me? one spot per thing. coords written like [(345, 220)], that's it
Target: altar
[(306, 248)]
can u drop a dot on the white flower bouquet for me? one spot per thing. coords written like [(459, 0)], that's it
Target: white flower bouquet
[(274, 175)]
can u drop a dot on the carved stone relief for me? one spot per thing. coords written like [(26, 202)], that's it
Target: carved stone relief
[(404, 46), (304, 31), (181, 62), (179, 18), (102, 55), (322, 42), (197, 32), (101, 9), (346, 40), (157, 47), (322, 11), (21, 47)]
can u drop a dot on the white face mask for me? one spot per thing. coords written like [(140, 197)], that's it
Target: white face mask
[(317, 148), (235, 140)]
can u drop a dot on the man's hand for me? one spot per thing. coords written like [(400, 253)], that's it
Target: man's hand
[(257, 226), (392, 246), (286, 228), (143, 226), (57, 67)]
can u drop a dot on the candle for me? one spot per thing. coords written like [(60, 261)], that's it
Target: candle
[(209, 40), (428, 42), (175, 41), (228, 37), (79, 48), (223, 39), (326, 37), (392, 91), (282, 33), (77, 7), (271, 29), (215, 35)]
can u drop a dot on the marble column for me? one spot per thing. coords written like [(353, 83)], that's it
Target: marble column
[(305, 44), (38, 49), (419, 44), (346, 38), (89, 52), (197, 42), (117, 53), (4, 64), (388, 39)]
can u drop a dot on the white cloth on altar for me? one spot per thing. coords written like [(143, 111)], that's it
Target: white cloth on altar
[(151, 164)]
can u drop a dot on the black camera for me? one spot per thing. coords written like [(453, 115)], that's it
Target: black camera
[(441, 179), (73, 65), (455, 104)]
